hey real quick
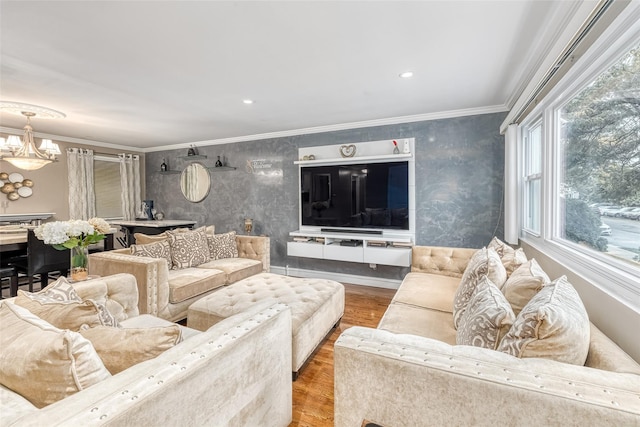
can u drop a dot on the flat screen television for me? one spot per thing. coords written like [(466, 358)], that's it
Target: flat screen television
[(364, 196)]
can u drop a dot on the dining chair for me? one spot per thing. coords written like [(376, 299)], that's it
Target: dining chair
[(12, 274), (41, 259)]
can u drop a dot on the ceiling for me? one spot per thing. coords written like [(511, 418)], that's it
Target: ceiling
[(152, 74)]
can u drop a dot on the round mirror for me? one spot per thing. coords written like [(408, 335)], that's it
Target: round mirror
[(195, 182)]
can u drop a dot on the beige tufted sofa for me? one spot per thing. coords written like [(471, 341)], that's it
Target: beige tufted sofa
[(194, 383), (409, 372), (168, 293)]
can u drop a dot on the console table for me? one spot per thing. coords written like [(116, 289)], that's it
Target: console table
[(149, 227)]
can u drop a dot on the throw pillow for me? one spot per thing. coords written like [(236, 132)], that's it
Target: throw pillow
[(511, 258), (59, 291), (209, 230), (145, 239), (188, 249), (487, 318), (120, 349), (60, 305), (42, 363), (523, 284), (484, 262), (159, 249), (553, 325), (223, 245)]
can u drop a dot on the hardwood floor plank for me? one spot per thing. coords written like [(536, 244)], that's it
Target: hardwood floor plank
[(313, 390)]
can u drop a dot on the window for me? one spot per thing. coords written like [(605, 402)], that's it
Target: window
[(532, 177), (106, 175), (599, 171), (580, 169)]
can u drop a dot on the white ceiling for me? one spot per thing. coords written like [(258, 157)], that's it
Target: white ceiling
[(163, 73)]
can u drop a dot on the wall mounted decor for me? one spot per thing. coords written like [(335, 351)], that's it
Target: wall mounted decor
[(348, 150), (195, 182), (192, 151), (14, 185)]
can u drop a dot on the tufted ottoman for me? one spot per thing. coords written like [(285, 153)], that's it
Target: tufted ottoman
[(316, 307)]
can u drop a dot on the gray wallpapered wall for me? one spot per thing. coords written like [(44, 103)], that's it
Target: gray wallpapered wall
[(459, 186)]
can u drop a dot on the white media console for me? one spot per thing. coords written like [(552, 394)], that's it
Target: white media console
[(370, 249), (385, 247)]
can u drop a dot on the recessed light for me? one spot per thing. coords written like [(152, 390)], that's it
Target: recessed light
[(406, 74), (248, 101)]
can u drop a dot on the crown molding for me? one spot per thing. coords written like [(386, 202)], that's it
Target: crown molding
[(280, 134), (337, 127), (61, 138)]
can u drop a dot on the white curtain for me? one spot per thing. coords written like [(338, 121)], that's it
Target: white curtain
[(511, 185), (130, 182), (82, 198)]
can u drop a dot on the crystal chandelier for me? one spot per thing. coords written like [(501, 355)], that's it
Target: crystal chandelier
[(23, 153)]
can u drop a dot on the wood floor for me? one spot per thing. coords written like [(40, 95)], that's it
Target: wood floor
[(313, 390)]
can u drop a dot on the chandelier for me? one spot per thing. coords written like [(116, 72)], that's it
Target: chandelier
[(23, 154)]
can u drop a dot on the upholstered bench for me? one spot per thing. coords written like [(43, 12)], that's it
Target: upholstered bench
[(316, 307)]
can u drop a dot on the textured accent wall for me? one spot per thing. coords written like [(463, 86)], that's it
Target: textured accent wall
[(459, 186)]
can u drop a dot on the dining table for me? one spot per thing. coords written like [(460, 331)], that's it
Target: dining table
[(149, 227), (13, 238)]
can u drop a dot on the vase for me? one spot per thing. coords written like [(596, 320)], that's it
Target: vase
[(248, 225), (79, 266)]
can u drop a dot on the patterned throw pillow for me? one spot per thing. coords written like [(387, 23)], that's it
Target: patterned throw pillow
[(487, 318), (60, 305), (60, 291), (484, 262), (511, 258), (523, 284), (159, 249), (188, 249), (553, 325), (143, 239), (223, 245)]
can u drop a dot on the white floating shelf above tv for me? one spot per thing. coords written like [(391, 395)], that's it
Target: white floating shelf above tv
[(357, 159), (362, 152)]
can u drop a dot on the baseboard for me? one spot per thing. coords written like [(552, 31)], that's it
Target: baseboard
[(376, 282)]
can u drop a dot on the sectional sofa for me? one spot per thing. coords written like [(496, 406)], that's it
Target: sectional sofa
[(412, 371), (168, 292), (195, 382)]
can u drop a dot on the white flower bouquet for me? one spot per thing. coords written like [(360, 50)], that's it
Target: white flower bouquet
[(70, 234), (75, 235)]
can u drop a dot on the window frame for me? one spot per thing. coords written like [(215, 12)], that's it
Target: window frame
[(620, 279), (110, 159), (528, 178)]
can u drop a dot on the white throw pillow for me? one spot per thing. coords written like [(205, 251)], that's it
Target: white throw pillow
[(511, 258), (525, 282), (43, 363), (553, 325)]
